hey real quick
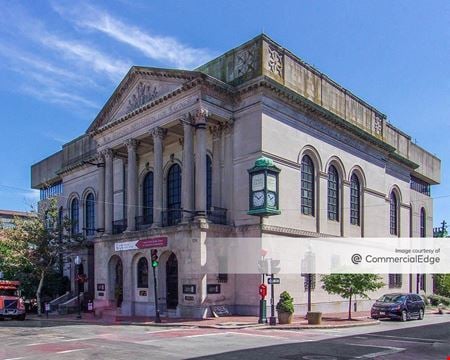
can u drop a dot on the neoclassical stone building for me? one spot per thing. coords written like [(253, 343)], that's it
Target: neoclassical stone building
[(166, 159)]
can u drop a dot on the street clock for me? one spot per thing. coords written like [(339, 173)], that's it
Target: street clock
[(263, 188)]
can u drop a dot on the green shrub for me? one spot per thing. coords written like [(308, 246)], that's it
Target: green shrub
[(442, 284), (435, 300), (286, 303)]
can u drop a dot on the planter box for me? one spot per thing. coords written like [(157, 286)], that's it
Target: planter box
[(284, 317), (314, 317)]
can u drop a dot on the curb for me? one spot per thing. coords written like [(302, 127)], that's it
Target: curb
[(213, 326), (337, 326)]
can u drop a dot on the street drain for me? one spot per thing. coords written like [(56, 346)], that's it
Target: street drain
[(319, 357)]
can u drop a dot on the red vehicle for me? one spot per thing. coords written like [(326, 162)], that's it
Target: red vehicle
[(11, 304)]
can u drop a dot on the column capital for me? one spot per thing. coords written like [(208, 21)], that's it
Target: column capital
[(107, 153), (131, 144), (186, 121), (216, 131), (228, 125), (158, 133), (201, 116)]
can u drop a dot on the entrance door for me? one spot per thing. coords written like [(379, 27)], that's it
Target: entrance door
[(172, 282), (118, 283)]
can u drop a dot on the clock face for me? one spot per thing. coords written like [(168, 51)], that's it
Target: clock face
[(258, 199), (271, 199)]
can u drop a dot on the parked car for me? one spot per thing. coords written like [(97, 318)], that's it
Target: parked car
[(399, 306)]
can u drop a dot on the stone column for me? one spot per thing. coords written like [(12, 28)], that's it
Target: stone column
[(101, 193), (158, 135), (227, 175), (216, 132), (131, 184), (109, 208), (200, 160), (187, 179)]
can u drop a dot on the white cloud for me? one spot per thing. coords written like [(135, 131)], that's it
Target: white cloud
[(101, 63), (32, 66), (161, 48), (58, 96)]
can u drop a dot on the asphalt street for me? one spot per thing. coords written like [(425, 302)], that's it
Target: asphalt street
[(427, 339)]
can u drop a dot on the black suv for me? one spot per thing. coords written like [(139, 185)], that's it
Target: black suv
[(398, 306)]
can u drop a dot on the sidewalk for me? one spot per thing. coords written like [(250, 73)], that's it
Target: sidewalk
[(329, 320)]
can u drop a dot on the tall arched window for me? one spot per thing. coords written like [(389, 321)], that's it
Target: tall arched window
[(393, 214), (208, 182), (333, 194), (90, 215), (355, 200), (147, 198), (174, 195), (307, 186), (423, 229), (74, 216), (142, 273)]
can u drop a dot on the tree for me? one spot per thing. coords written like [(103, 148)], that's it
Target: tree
[(34, 245), (442, 284), (347, 285)]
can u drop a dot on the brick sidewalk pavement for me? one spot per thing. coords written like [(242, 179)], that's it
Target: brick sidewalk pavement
[(329, 320)]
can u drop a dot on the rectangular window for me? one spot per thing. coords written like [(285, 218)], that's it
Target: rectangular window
[(395, 281)]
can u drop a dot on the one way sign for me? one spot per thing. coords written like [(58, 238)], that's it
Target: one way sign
[(274, 281)]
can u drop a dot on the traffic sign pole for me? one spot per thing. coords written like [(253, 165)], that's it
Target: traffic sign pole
[(157, 317), (272, 320)]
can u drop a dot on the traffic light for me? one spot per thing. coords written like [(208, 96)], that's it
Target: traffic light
[(155, 261), (274, 266), (263, 266)]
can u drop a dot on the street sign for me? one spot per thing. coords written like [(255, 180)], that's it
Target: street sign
[(151, 243), (274, 281)]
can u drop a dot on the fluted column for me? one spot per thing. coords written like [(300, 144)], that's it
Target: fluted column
[(227, 175), (187, 179), (158, 135), (131, 184), (200, 160), (216, 132), (101, 192), (109, 189)]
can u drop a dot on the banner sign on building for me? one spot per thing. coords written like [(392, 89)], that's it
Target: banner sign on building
[(150, 243)]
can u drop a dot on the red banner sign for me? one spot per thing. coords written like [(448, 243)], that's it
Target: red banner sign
[(152, 243)]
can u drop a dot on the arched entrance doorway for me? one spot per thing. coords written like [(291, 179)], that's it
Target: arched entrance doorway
[(172, 282), (116, 280)]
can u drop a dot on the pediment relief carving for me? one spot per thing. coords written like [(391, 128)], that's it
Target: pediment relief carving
[(143, 92)]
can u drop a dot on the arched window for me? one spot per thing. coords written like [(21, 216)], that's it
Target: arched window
[(147, 198), (355, 200), (90, 215), (423, 229), (307, 186), (74, 216), (174, 195), (393, 214), (208, 183), (142, 273), (333, 194)]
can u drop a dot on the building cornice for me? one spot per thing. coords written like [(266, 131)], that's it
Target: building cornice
[(291, 96)]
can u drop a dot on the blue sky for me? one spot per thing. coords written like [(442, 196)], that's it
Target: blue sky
[(61, 60)]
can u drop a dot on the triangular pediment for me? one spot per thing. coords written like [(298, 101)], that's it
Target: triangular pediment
[(139, 87)]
